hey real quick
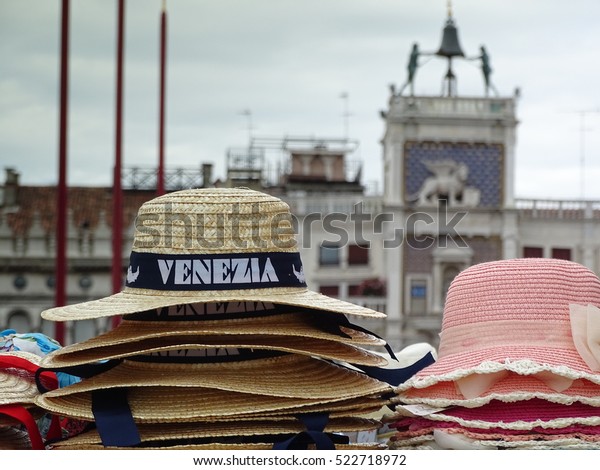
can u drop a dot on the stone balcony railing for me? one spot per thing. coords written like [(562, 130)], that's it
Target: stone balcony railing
[(568, 209), (440, 107)]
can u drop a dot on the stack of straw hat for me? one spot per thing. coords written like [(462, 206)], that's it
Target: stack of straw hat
[(221, 344), (518, 364), (24, 425)]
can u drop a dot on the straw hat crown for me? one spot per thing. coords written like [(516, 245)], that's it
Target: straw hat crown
[(214, 220), (517, 315), (517, 290)]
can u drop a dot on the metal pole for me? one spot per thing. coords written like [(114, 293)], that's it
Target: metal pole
[(62, 201), (117, 231), (160, 180)]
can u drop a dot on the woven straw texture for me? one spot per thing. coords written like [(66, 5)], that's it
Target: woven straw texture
[(217, 446), (293, 324), (185, 344), (453, 436), (417, 426), (510, 389), (523, 415), (138, 300), (185, 431), (17, 385), (291, 376), (185, 404), (512, 315)]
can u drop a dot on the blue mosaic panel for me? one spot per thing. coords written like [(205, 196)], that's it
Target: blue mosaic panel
[(485, 163)]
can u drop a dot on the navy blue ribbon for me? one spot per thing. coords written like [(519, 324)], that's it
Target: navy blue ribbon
[(395, 377), (313, 434), (113, 418), (220, 271)]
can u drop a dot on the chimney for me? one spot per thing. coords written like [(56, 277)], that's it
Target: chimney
[(206, 174), (11, 188)]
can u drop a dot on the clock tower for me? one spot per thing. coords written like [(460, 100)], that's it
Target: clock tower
[(449, 184)]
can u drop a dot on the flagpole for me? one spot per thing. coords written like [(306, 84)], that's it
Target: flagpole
[(160, 179), (62, 200), (117, 213)]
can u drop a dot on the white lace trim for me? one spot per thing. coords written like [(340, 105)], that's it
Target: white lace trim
[(513, 397), (518, 425), (521, 367)]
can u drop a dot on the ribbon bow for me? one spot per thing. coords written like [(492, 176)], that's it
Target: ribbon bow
[(585, 328)]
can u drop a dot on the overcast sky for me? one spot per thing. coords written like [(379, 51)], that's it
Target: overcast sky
[(289, 62)]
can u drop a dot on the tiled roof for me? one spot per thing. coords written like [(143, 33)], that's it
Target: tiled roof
[(86, 204)]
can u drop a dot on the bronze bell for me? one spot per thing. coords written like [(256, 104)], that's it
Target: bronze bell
[(450, 46)]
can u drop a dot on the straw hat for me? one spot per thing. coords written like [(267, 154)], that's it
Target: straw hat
[(152, 404), (510, 388), (557, 425), (211, 245), (515, 315), (17, 377), (521, 415), (292, 332), (453, 439), (217, 446), (158, 434), (189, 345), (289, 375), (493, 437)]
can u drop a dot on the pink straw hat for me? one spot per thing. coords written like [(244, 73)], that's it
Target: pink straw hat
[(552, 437), (512, 387), (528, 316), (522, 415)]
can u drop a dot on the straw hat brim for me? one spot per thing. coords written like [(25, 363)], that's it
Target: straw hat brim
[(17, 389), (457, 441), (28, 356), (217, 446), (17, 385), (495, 438), (522, 360), (210, 429), (285, 324), (418, 426), (139, 300), (564, 443), (512, 388), (290, 376), (326, 349), (521, 415), (467, 438), (185, 404)]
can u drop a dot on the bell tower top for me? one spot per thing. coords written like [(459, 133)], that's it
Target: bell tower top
[(459, 149), (449, 49), (450, 46)]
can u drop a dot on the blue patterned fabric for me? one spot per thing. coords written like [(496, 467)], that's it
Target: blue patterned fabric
[(35, 343)]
